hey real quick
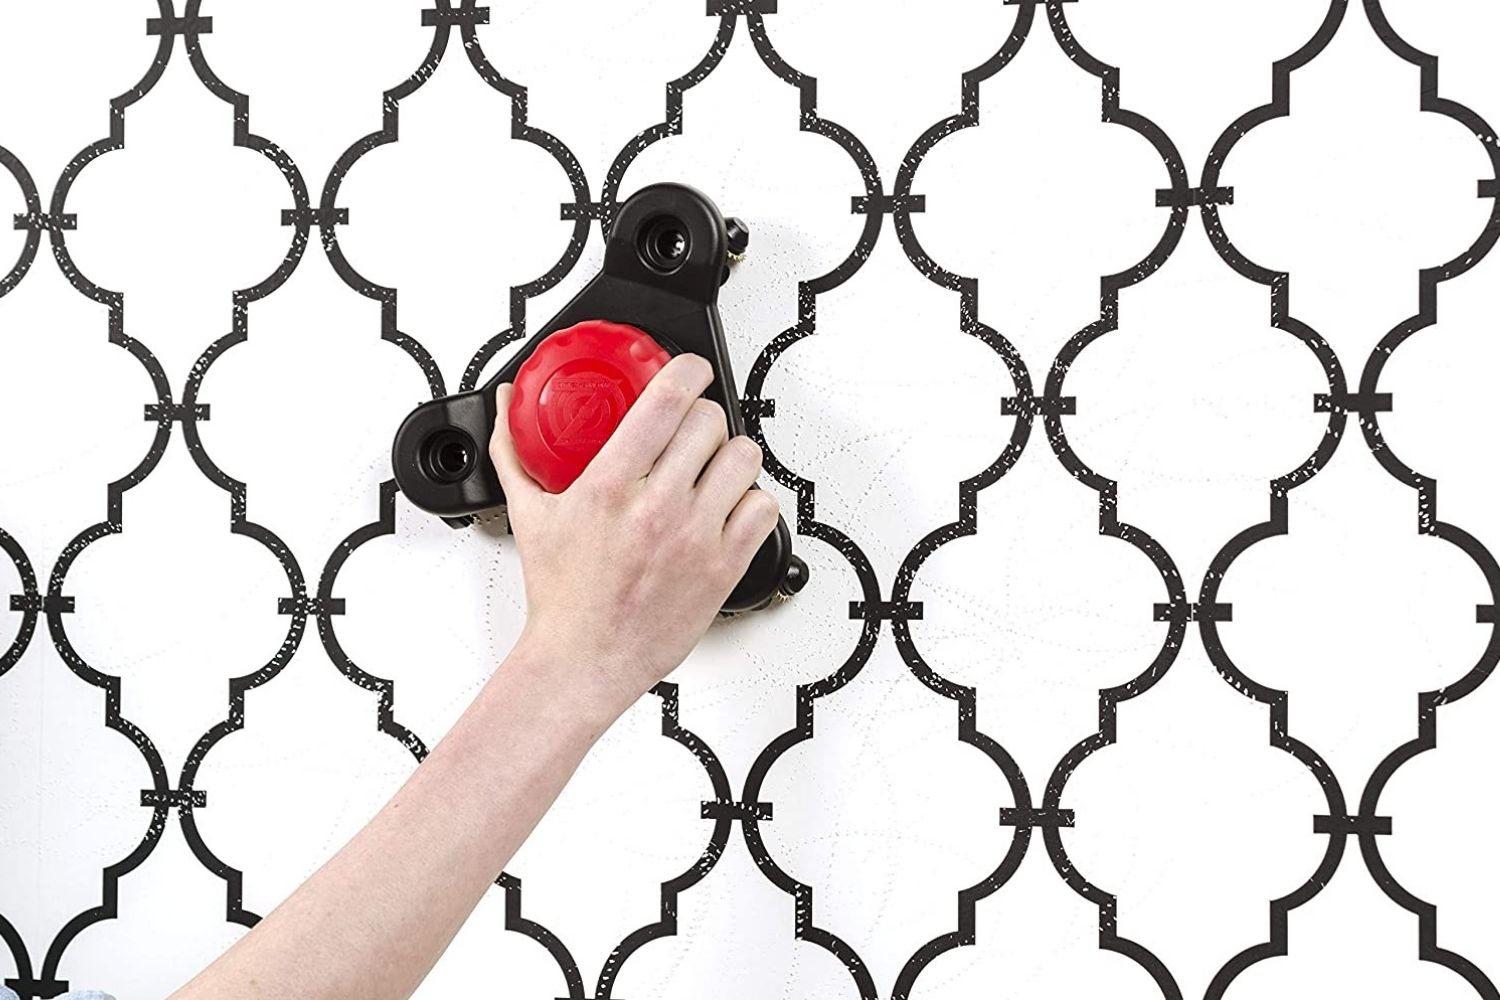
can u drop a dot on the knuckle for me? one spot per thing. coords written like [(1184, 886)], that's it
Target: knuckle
[(760, 513), (615, 491), (643, 520), (707, 409), (672, 394), (696, 367), (653, 512), (601, 489), (746, 450), (683, 377), (765, 504), (708, 417)]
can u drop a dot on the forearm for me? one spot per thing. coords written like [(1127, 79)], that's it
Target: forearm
[(670, 492), (374, 919)]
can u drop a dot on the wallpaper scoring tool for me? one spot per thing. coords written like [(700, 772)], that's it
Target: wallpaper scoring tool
[(657, 295)]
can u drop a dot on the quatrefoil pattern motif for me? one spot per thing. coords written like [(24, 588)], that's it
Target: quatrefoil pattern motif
[(1107, 359)]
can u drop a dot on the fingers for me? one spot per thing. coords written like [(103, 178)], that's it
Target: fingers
[(518, 485), (698, 438), (750, 523), (649, 425), (730, 473)]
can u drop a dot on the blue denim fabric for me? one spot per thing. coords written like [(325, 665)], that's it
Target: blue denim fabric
[(6, 993)]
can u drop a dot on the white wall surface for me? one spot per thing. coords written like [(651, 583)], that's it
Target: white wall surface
[(1160, 595)]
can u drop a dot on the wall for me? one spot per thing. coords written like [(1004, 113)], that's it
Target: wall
[(1109, 356)]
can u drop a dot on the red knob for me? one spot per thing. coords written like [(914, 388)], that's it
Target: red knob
[(572, 393)]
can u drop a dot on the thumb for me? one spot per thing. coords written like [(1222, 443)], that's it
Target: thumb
[(520, 488)]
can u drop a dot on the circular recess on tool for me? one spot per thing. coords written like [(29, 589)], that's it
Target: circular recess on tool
[(573, 391), (448, 455), (664, 243)]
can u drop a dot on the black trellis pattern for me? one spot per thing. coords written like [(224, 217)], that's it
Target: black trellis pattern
[(1038, 803)]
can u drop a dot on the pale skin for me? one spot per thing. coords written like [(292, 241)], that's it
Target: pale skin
[(668, 516)]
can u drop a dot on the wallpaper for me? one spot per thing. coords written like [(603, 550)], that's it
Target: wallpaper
[(1107, 358)]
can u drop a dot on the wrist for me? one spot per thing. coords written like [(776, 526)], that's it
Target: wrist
[(572, 680)]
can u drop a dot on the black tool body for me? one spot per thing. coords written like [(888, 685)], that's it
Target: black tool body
[(666, 256)]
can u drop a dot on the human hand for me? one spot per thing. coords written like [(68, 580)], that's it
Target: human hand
[(625, 569)]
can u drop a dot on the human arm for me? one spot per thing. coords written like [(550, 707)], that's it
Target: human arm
[(623, 572)]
